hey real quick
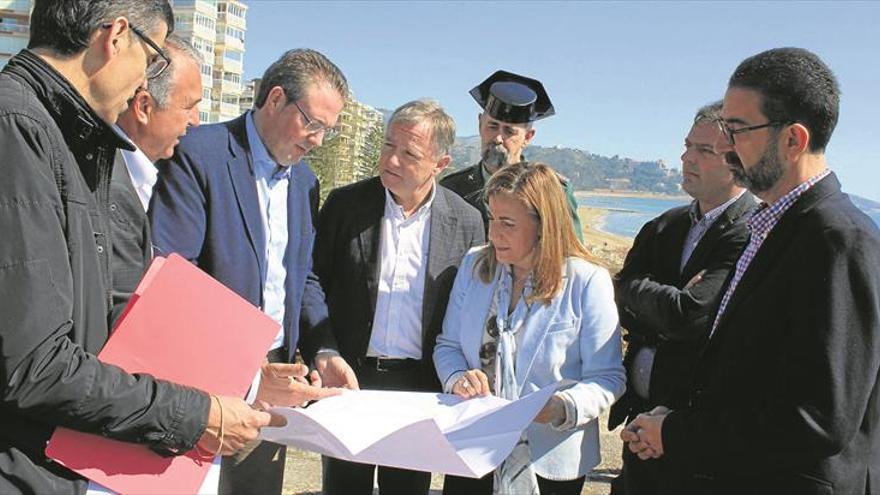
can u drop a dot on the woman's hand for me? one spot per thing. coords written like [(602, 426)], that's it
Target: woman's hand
[(553, 411), (471, 384)]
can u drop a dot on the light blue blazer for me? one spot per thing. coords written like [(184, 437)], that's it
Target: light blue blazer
[(575, 337)]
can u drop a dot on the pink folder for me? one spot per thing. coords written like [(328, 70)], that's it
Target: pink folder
[(180, 325)]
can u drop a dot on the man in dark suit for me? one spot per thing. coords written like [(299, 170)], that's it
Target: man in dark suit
[(785, 396), (155, 120), (669, 289), (386, 253), (236, 200), (511, 103)]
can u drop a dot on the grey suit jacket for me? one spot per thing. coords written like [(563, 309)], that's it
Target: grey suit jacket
[(130, 235), (347, 263)]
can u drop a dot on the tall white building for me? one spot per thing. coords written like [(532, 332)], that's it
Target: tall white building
[(14, 23), (215, 27)]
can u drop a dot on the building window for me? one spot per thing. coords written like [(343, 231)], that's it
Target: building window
[(235, 33)]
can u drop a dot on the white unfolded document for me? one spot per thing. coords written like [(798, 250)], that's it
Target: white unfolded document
[(439, 433)]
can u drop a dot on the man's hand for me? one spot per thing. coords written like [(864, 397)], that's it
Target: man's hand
[(283, 384), (644, 434), (553, 411), (240, 425), (335, 372), (695, 279), (472, 383)]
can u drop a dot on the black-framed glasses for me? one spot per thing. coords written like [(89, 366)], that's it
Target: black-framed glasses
[(159, 63), (730, 133), (314, 127)]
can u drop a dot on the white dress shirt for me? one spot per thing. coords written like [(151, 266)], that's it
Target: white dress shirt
[(142, 171), (403, 260)]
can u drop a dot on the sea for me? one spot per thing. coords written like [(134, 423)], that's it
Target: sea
[(626, 215)]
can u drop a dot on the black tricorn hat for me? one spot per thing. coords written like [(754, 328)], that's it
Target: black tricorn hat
[(513, 98)]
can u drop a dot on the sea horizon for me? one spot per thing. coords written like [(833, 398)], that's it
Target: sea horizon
[(626, 213)]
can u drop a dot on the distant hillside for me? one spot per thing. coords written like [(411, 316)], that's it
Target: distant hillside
[(585, 170)]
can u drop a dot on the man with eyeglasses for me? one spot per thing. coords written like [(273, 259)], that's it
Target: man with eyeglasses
[(59, 99), (668, 290), (511, 104), (785, 396), (236, 199)]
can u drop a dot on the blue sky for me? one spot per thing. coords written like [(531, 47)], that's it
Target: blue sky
[(625, 77)]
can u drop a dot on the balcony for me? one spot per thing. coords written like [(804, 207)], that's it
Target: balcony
[(230, 41), (231, 20), (227, 87)]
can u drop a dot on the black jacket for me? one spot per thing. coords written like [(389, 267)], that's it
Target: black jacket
[(54, 290), (347, 249), (785, 397), (657, 310), (468, 183)]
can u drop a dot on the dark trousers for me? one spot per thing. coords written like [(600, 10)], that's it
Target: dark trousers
[(259, 471), (648, 477), (350, 478), (456, 485)]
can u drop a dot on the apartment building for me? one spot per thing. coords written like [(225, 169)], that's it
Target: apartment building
[(14, 22), (217, 29)]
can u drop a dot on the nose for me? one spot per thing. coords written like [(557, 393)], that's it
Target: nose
[(193, 119), (722, 145), (493, 232), (684, 155), (316, 139)]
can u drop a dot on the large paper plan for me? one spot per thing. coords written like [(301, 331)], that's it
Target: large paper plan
[(440, 433)]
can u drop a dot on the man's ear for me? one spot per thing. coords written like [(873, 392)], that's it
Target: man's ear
[(143, 106), (796, 141), (528, 138), (276, 99), (442, 163), (114, 37)]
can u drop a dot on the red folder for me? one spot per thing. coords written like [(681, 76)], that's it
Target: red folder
[(183, 326)]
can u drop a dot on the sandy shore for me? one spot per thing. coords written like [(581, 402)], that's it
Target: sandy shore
[(608, 247), (628, 194)]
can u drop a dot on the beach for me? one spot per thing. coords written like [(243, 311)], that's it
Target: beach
[(629, 194), (609, 248)]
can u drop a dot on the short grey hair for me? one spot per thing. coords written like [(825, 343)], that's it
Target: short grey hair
[(178, 50), (710, 112), (430, 111), (296, 70)]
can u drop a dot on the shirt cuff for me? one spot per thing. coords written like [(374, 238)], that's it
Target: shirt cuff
[(570, 419), (450, 382), (255, 387)]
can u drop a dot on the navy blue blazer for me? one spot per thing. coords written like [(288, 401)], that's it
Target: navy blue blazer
[(205, 208)]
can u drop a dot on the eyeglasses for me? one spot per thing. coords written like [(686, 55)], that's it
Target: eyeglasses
[(159, 63), (314, 126), (730, 133)]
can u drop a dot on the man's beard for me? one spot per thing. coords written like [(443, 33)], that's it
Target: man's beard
[(763, 175), (494, 157)]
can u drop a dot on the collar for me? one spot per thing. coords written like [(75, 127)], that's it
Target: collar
[(767, 216), (140, 167), (714, 213), (264, 165), (395, 212), (81, 127)]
